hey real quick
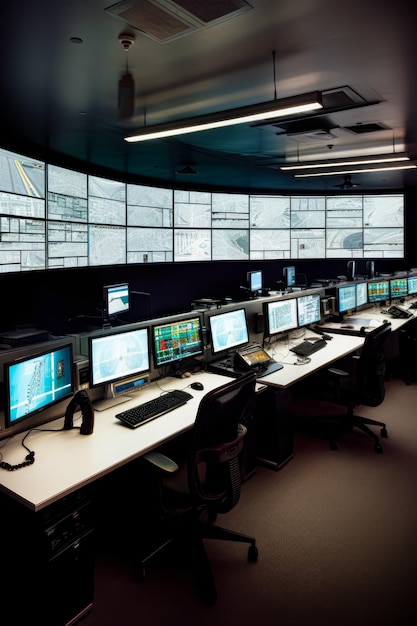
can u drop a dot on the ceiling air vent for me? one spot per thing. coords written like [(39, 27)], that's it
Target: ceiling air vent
[(372, 127), (165, 20)]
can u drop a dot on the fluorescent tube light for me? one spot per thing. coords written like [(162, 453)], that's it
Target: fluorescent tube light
[(357, 170), (364, 160), (243, 115)]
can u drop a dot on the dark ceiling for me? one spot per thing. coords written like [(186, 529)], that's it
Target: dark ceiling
[(60, 96)]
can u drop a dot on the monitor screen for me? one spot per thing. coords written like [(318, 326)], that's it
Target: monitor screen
[(118, 355), (398, 288), (36, 382), (412, 285), (289, 276), (361, 294), (280, 316), (228, 330), (177, 340), (116, 299), (254, 281), (378, 291), (308, 308), (346, 298)]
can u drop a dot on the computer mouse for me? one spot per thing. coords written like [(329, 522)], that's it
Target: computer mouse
[(197, 385)]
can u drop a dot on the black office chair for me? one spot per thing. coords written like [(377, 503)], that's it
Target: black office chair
[(207, 483), (360, 382)]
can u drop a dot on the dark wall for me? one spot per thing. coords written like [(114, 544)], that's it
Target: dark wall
[(64, 301)]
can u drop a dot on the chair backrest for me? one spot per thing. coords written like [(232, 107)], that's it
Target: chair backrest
[(216, 442), (370, 373)]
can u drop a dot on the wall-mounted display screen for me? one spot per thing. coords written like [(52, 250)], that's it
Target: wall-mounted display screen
[(73, 219)]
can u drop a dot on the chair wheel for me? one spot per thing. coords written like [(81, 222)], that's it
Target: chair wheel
[(384, 432), (252, 554), (138, 574), (378, 448)]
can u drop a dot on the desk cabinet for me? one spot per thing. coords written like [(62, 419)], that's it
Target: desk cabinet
[(49, 560), (274, 429)]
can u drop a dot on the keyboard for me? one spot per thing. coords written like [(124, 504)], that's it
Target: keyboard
[(398, 313), (142, 413), (305, 348)]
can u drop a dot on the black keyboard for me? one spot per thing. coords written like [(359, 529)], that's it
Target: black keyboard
[(138, 415), (398, 313), (305, 348)]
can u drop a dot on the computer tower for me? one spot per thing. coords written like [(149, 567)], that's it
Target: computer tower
[(274, 429), (50, 560)]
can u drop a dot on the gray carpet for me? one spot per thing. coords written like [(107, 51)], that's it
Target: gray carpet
[(337, 539)]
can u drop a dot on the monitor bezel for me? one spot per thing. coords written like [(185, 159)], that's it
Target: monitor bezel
[(268, 306), (93, 338), (182, 358), (241, 311), (7, 367)]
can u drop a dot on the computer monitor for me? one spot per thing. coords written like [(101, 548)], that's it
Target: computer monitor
[(280, 316), (345, 298), (254, 279), (351, 270), (308, 309), (115, 300), (412, 285), (36, 382), (378, 291), (228, 330), (175, 341), (361, 294), (289, 276), (119, 361), (398, 288)]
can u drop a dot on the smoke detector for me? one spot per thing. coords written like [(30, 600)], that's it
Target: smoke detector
[(126, 40)]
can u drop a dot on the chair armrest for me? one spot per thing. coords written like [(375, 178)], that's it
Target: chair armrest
[(161, 461)]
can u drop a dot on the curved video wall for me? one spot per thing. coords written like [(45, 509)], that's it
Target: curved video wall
[(52, 217)]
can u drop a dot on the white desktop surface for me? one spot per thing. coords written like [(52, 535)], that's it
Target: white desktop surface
[(292, 372), (66, 461)]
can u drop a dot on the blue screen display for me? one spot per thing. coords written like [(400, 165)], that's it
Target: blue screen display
[(37, 382)]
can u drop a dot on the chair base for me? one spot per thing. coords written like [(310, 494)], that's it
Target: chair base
[(339, 423), (190, 540)]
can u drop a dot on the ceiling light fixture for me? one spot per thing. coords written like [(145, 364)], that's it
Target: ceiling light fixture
[(243, 115), (377, 168), (363, 160)]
